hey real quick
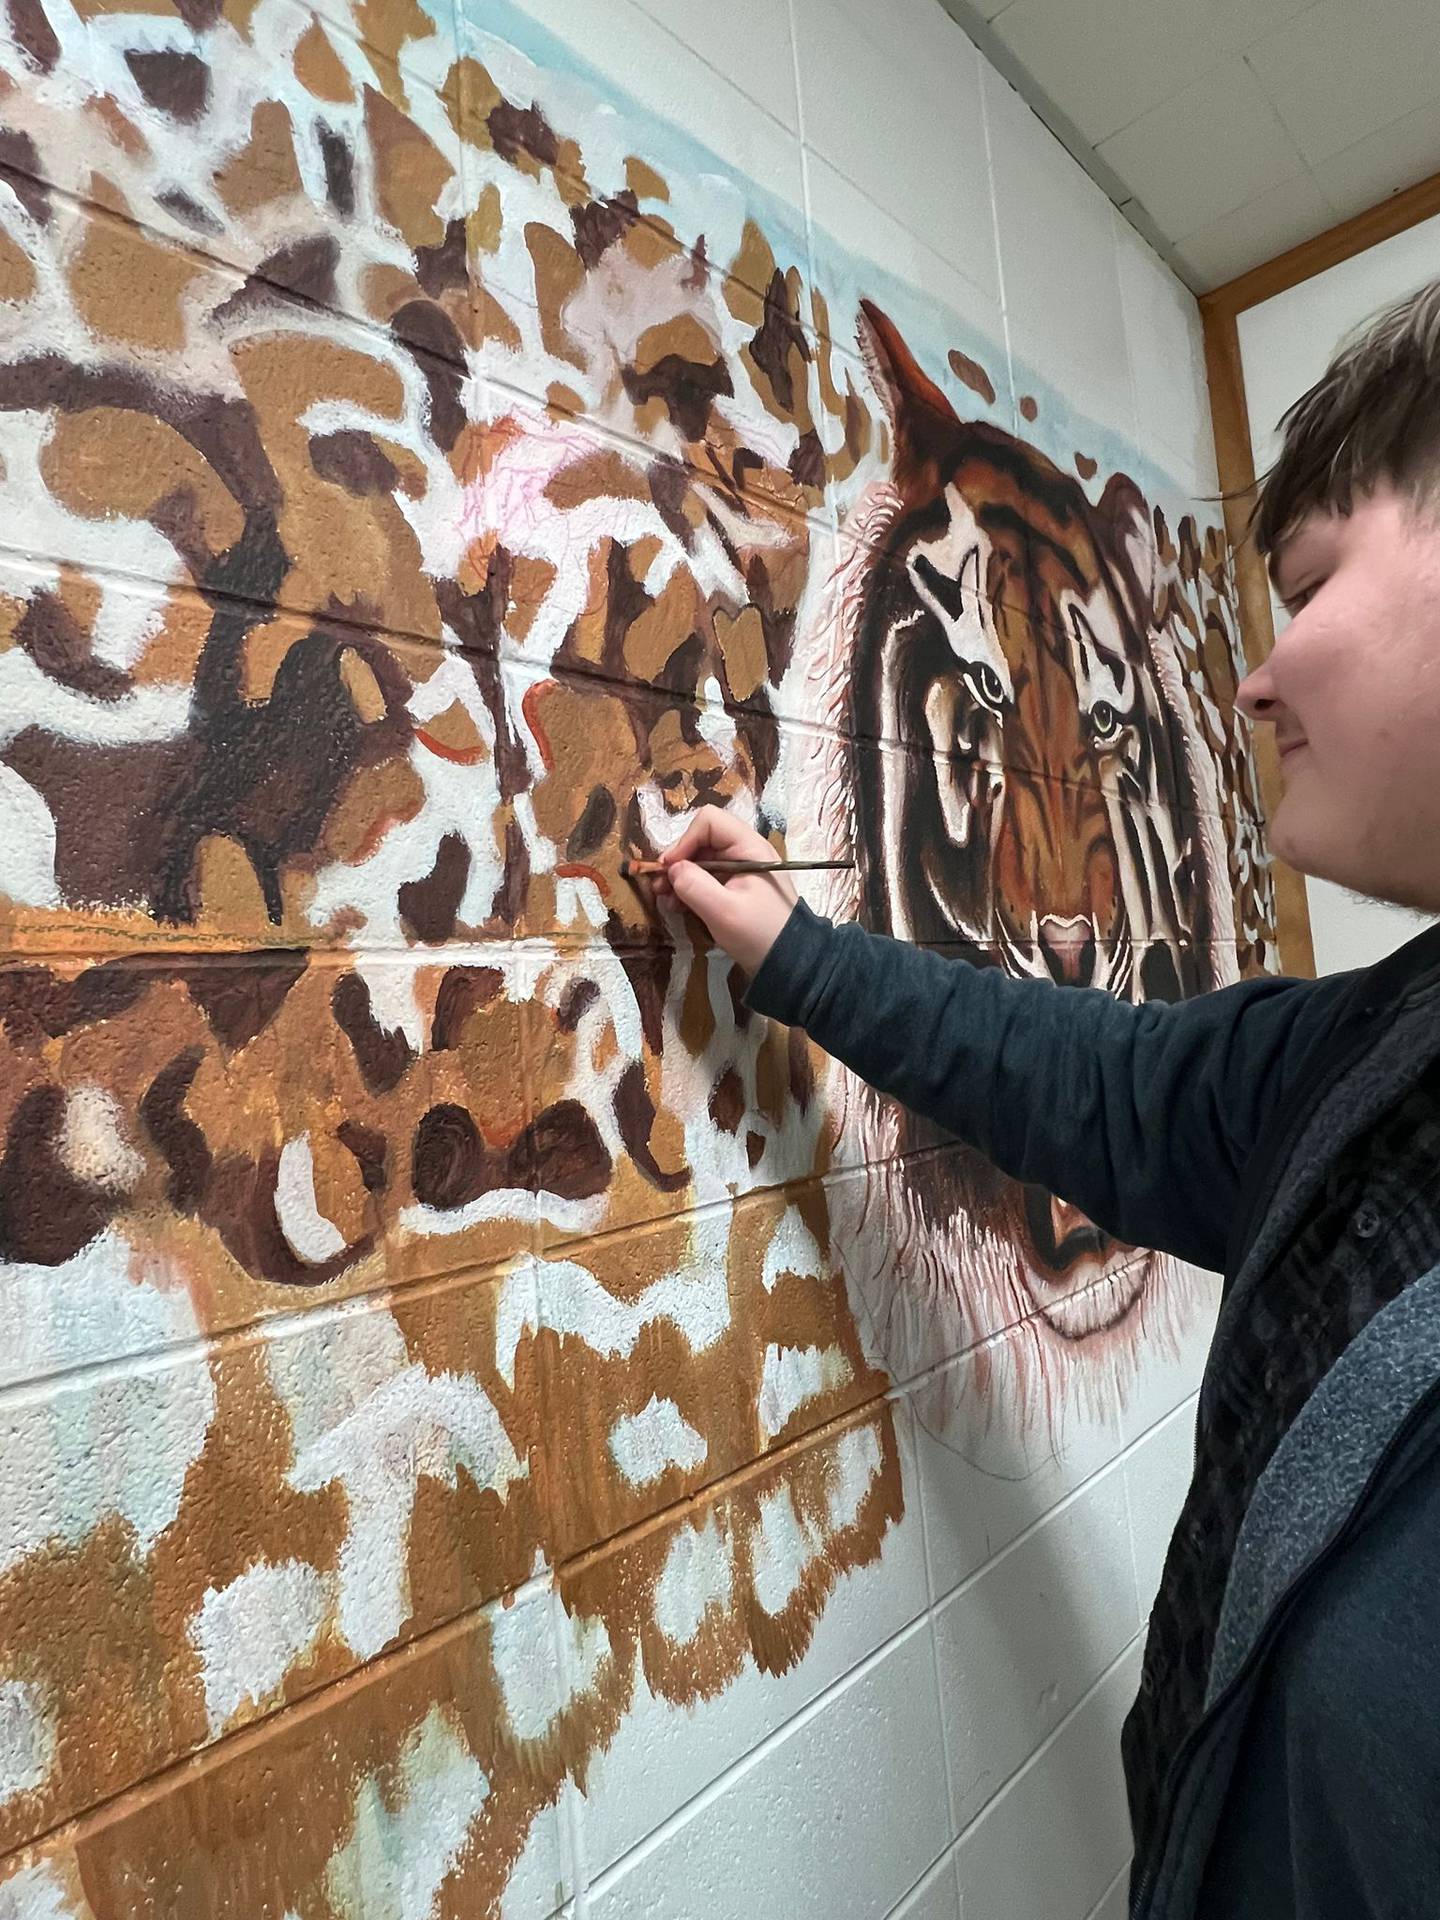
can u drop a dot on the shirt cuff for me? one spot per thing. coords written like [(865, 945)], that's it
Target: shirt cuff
[(789, 971)]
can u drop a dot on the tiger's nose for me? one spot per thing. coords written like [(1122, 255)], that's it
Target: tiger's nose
[(1068, 949)]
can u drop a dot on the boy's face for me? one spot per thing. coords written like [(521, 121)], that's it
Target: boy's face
[(1353, 692)]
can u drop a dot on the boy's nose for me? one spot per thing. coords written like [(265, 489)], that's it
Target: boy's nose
[(1255, 695)]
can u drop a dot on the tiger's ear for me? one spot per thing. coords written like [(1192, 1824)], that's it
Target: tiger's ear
[(1131, 538), (924, 422)]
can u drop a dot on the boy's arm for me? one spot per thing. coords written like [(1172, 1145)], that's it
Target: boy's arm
[(1143, 1117)]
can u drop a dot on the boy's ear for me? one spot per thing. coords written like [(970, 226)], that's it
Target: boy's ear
[(925, 424)]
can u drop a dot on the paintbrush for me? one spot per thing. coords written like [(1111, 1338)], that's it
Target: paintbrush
[(640, 869)]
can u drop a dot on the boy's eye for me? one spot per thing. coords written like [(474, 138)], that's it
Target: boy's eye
[(1297, 602)]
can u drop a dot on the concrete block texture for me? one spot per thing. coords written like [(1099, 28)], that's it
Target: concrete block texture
[(490, 1425)]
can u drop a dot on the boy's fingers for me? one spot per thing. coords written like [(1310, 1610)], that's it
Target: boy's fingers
[(711, 831), (701, 892), (695, 840)]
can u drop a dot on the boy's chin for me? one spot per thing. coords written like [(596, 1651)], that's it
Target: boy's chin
[(1291, 842), (1358, 870)]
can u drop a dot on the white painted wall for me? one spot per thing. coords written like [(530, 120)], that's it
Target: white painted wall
[(950, 1744), (949, 1740), (1285, 346)]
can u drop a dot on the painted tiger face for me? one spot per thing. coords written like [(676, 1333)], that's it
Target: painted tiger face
[(1024, 796)]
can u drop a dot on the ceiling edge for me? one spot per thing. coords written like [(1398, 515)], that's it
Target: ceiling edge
[(994, 49)]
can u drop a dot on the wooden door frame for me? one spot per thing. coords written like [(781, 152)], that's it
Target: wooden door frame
[(1235, 463)]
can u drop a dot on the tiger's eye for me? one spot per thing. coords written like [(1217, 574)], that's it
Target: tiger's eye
[(1104, 720), (986, 683)]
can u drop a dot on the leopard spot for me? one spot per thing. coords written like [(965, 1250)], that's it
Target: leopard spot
[(635, 1115), (802, 1070), (780, 336), (60, 647), (265, 168), (189, 211), (464, 991), (17, 273), (174, 83), (180, 1140), (34, 34), (429, 906), (649, 977), (382, 1054), (371, 1151), (355, 461), (727, 1101), (46, 1214), (687, 389), (318, 67), (241, 998), (522, 130), (441, 269), (594, 824), (972, 374), (561, 1152), (305, 269), (448, 1161), (572, 1009), (807, 462), (24, 174), (339, 171), (408, 170), (601, 223)]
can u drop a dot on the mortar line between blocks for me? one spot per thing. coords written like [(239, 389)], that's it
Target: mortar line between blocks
[(1117, 1881), (941, 1864), (309, 1706), (922, 1503), (1127, 326), (983, 67), (1140, 1615), (1114, 1464), (571, 1827), (715, 1789), (1033, 1758), (657, 17), (801, 136)]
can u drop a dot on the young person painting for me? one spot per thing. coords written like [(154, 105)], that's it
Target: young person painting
[(1283, 1755)]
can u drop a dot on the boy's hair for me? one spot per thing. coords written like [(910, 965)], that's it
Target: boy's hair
[(1372, 417)]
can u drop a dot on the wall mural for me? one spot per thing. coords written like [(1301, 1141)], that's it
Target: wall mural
[(413, 507)]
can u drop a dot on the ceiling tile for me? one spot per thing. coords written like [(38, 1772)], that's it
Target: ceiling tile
[(1237, 22), (1294, 211), (1215, 146), (1370, 171), (1345, 68), (1106, 62)]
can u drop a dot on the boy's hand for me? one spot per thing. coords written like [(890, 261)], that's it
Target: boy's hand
[(744, 913)]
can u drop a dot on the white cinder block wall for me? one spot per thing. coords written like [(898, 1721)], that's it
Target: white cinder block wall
[(343, 1711), (949, 1744)]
